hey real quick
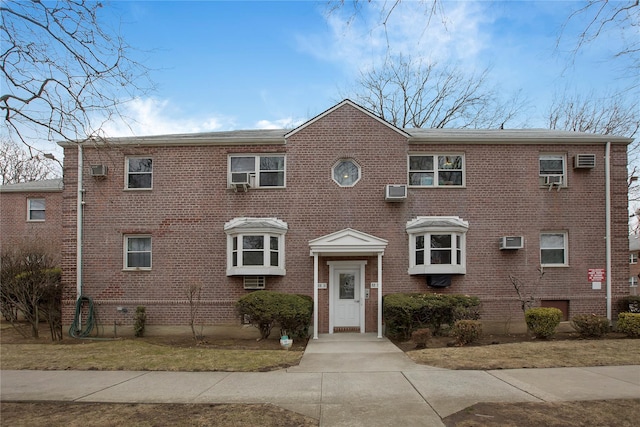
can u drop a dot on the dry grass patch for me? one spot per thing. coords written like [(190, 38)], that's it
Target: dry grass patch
[(141, 415), (537, 354), (137, 355), (619, 413)]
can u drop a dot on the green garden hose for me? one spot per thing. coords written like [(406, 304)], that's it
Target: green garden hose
[(89, 324)]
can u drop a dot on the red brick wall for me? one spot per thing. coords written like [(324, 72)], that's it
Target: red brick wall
[(189, 204), (16, 230)]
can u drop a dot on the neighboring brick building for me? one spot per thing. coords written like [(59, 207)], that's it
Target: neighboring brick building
[(31, 213), (307, 211), (634, 265)]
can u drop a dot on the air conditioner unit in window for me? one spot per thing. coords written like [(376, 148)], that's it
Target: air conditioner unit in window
[(511, 242), (552, 180), (254, 282), (99, 170), (242, 180), (584, 161), (395, 193)]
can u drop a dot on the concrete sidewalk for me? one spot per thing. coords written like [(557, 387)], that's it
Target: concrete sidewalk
[(342, 380)]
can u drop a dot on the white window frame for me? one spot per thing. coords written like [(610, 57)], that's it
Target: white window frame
[(127, 172), (633, 257), (429, 226), (254, 173), (31, 210), (126, 252), (267, 228), (565, 248), (633, 281), (435, 182), (552, 156), (336, 164)]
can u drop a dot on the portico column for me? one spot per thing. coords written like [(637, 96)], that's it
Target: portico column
[(315, 296), (379, 295)]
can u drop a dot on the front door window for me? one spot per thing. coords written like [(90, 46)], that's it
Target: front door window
[(347, 285)]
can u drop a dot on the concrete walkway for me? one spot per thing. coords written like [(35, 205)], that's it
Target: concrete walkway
[(342, 380)]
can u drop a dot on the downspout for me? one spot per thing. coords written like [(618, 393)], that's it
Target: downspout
[(79, 219), (607, 172)]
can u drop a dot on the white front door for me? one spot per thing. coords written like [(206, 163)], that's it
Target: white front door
[(346, 286)]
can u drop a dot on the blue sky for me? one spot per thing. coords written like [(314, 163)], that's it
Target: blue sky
[(242, 65)]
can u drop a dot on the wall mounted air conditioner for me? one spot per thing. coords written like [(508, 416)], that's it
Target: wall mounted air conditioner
[(395, 192), (584, 161), (511, 242), (98, 170), (254, 282)]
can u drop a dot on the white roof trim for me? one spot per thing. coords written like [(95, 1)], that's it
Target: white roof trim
[(439, 223), (340, 105), (348, 242), (256, 225)]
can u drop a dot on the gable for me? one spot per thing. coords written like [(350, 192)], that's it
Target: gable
[(347, 241), (342, 104)]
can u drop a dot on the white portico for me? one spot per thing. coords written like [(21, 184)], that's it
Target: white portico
[(346, 285)]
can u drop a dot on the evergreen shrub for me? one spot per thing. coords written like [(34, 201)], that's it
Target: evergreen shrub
[(543, 321)]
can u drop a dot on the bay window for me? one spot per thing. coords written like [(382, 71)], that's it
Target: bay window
[(255, 246), (437, 245)]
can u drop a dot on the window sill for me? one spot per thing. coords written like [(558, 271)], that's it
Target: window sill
[(555, 265), (137, 269), (436, 186), (36, 220), (137, 189), (438, 269), (256, 271)]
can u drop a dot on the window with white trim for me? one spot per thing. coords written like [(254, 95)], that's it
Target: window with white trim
[(137, 252), (633, 281), (437, 245), (255, 246), (36, 209), (553, 170), (260, 171), (139, 173), (553, 249), (346, 172), (436, 170), (633, 258)]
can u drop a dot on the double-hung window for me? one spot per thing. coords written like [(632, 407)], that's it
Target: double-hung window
[(436, 170), (257, 171), (36, 209), (633, 258), (255, 246), (553, 249), (139, 173), (137, 252), (437, 245), (553, 170)]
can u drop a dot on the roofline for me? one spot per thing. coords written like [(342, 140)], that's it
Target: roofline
[(354, 105), (181, 140), (518, 136), (32, 188)]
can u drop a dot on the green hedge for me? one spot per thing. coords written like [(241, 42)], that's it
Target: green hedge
[(405, 313), (265, 309), (629, 323), (543, 321)]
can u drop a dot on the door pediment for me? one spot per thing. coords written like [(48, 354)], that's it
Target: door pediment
[(347, 242)]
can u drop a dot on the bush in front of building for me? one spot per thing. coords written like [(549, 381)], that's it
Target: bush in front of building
[(629, 324), (543, 321), (265, 309), (590, 325), (404, 313), (629, 304), (466, 331), (420, 337)]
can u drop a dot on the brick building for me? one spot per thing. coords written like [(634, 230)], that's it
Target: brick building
[(31, 213), (345, 208)]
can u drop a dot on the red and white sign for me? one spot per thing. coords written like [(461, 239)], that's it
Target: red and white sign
[(596, 274)]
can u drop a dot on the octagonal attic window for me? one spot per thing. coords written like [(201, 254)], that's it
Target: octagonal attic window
[(346, 173)]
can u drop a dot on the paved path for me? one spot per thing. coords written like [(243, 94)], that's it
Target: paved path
[(342, 380)]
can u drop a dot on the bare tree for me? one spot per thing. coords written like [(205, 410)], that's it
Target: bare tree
[(63, 71), (18, 165), (601, 16), (608, 115), (412, 93)]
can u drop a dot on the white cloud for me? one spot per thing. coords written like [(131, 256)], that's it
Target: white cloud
[(151, 116), (286, 123), (454, 33)]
